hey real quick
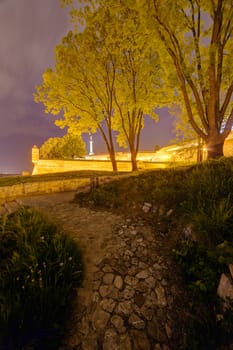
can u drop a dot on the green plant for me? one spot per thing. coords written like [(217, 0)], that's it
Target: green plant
[(214, 220), (208, 203), (40, 269), (106, 196), (202, 268), (201, 273)]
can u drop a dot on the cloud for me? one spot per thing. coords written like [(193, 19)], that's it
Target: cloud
[(29, 31)]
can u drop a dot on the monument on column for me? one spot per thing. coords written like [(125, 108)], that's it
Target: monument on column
[(91, 152), (35, 154)]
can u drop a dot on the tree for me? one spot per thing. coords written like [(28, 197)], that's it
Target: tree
[(138, 87), (198, 37), (68, 146), (81, 86)]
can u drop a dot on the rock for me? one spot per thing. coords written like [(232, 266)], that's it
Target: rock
[(142, 274), (100, 318), (98, 276), (96, 285), (161, 210), (141, 287), (231, 270), (134, 261), (164, 282), (118, 323), (89, 343), (118, 282), (225, 287), (165, 347), (168, 330), (140, 340), (132, 281), (108, 305), (136, 321), (108, 278), (95, 297), (128, 253), (139, 299), (147, 313), (125, 342), (108, 291), (146, 207), (150, 281), (128, 292), (132, 271), (160, 293), (142, 265), (169, 212), (124, 308), (107, 268), (157, 347), (156, 330), (111, 340)]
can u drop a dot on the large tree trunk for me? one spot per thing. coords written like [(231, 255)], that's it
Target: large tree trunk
[(214, 145), (134, 160), (134, 164), (113, 160), (109, 144)]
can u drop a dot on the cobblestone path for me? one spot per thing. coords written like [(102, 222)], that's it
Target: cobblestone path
[(131, 299)]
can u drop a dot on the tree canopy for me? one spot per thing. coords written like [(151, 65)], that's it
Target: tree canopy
[(105, 79), (196, 44), (81, 87), (198, 37), (66, 147)]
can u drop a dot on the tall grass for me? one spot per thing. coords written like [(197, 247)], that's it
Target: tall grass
[(201, 195), (209, 200), (40, 268)]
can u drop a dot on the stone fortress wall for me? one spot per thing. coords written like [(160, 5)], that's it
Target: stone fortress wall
[(146, 160), (13, 192)]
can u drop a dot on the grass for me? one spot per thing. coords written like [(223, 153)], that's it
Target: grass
[(40, 269), (201, 195), (13, 180), (201, 198)]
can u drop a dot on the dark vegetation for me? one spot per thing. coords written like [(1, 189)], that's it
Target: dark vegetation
[(40, 269), (201, 199)]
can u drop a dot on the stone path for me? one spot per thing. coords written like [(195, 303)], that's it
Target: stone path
[(130, 300)]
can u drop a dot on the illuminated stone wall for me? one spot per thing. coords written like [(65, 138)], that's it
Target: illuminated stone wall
[(57, 166), (146, 160), (10, 193), (228, 147)]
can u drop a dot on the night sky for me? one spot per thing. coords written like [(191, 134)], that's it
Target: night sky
[(29, 31)]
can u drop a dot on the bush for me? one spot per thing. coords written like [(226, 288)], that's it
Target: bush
[(209, 200), (40, 268), (202, 268)]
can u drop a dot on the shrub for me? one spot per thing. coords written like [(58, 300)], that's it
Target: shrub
[(209, 200), (39, 271), (202, 268), (105, 196)]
